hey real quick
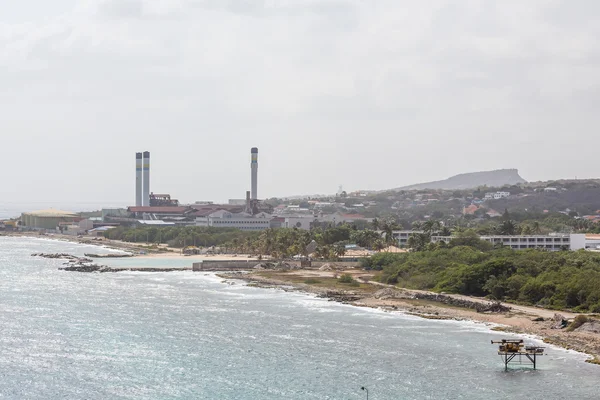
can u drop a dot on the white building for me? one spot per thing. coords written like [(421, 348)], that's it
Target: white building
[(242, 221), (86, 224), (592, 241), (402, 237), (298, 221), (496, 196), (573, 241)]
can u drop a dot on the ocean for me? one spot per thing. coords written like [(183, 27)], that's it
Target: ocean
[(186, 335)]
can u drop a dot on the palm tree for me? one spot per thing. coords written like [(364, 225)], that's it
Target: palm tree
[(508, 227), (378, 245), (339, 250), (417, 226), (526, 230), (445, 231), (418, 241), (431, 226), (375, 224), (388, 232)]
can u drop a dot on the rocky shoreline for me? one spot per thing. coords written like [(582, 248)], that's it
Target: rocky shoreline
[(110, 255), (84, 264), (551, 329)]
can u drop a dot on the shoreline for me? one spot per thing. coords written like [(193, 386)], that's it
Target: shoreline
[(521, 320), (132, 249)]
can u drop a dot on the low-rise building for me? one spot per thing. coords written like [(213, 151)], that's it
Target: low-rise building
[(340, 218), (242, 221), (553, 242), (592, 241), (69, 228), (114, 212), (496, 195), (402, 237), (47, 219), (303, 222), (86, 224)]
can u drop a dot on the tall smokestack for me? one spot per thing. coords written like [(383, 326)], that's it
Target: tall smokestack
[(138, 179), (248, 203), (146, 179), (254, 170)]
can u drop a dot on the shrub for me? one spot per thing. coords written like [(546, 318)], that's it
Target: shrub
[(577, 322), (346, 278)]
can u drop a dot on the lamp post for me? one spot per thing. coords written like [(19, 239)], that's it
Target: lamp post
[(366, 390)]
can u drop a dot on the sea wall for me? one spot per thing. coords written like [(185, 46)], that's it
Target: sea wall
[(223, 265), (232, 265)]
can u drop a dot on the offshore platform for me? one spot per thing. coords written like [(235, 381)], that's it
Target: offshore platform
[(515, 351)]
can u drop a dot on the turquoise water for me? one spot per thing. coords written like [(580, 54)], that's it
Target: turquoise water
[(186, 335)]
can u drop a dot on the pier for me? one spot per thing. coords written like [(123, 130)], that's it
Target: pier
[(508, 350)]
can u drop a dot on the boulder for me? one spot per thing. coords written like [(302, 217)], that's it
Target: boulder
[(592, 326), (559, 322), (325, 267), (387, 293)]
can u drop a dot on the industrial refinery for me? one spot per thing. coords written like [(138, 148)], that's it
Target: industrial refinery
[(145, 198), (162, 209), (246, 213)]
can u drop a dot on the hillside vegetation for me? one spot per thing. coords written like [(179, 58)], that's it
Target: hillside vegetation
[(559, 280)]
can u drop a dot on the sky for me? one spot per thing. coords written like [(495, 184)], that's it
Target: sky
[(368, 94)]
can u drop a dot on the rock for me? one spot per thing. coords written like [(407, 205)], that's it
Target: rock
[(88, 268), (452, 301), (110, 255), (387, 293), (325, 267), (538, 319), (342, 297), (496, 307), (592, 326), (559, 322)]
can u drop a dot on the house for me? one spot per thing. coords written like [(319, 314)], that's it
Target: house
[(496, 196), (470, 210), (493, 214)]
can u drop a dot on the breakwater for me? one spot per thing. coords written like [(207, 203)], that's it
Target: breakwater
[(84, 264)]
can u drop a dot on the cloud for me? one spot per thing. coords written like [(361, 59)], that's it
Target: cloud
[(297, 77)]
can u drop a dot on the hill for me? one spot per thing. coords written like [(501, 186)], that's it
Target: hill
[(471, 180)]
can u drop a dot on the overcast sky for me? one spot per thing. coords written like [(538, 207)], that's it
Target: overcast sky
[(370, 94)]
